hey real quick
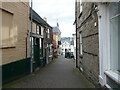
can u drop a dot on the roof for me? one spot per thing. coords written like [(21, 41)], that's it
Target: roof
[(70, 40), (38, 19), (67, 38), (65, 42), (56, 30)]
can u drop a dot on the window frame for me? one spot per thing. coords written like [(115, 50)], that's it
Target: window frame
[(81, 7), (104, 47), (48, 33), (11, 43), (112, 37), (80, 44), (38, 31)]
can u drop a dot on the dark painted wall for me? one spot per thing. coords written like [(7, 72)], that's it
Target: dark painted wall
[(16, 69)]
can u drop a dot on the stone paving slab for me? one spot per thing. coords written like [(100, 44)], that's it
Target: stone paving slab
[(61, 73)]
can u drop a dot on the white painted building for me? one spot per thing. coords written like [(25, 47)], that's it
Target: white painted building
[(68, 44), (74, 36), (109, 41)]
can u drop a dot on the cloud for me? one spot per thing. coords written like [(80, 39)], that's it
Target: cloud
[(67, 29), (63, 10)]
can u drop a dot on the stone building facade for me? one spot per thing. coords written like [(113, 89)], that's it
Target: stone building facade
[(15, 40), (48, 43), (42, 41), (98, 38), (87, 41)]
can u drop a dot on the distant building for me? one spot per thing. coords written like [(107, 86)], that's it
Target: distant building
[(74, 36), (67, 43), (56, 40), (98, 39)]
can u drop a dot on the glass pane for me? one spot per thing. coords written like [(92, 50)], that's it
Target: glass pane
[(80, 43), (37, 30), (114, 9), (40, 43), (119, 43), (114, 37)]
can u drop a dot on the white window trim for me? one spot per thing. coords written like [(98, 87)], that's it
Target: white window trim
[(81, 44), (48, 33), (81, 7), (114, 76), (104, 47)]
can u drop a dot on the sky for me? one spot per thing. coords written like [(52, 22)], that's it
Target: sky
[(62, 11)]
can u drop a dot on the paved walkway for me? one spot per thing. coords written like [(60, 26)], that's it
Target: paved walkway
[(61, 73)]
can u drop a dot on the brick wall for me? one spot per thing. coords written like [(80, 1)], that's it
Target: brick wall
[(90, 58), (21, 20)]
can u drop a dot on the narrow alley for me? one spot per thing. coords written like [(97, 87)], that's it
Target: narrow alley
[(60, 44), (61, 73)]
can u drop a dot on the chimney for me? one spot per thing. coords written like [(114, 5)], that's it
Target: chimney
[(45, 19)]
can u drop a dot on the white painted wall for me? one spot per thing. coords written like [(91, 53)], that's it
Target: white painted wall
[(104, 47), (67, 46), (74, 36)]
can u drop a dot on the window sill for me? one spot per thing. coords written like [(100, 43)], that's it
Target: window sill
[(114, 76), (107, 86), (81, 56), (6, 47), (80, 15)]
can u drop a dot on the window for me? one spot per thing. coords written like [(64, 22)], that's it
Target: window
[(8, 31), (36, 41), (48, 32), (114, 18), (109, 33), (51, 49), (38, 30), (41, 46), (81, 44), (69, 50), (81, 7)]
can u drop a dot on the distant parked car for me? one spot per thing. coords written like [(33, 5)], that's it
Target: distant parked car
[(71, 55), (66, 54)]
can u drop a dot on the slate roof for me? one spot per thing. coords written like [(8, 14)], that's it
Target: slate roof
[(56, 30), (38, 19), (70, 40)]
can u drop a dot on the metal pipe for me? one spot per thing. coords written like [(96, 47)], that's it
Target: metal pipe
[(26, 46), (76, 33), (31, 53)]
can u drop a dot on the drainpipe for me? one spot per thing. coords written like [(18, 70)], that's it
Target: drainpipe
[(31, 53), (26, 46), (76, 34)]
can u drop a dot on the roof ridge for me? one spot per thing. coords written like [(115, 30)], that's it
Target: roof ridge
[(38, 18)]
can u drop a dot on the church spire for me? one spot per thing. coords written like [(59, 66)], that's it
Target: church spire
[(57, 23)]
